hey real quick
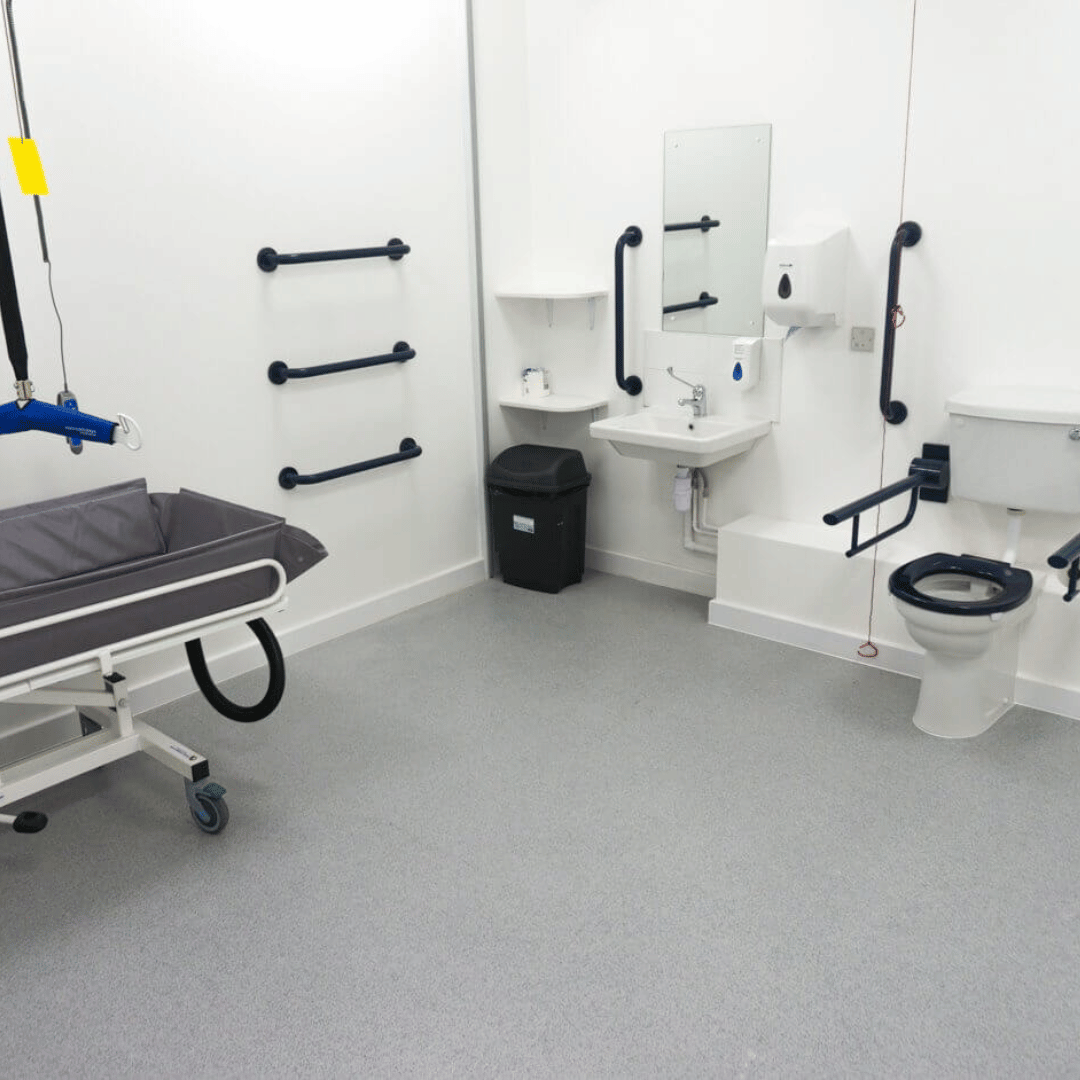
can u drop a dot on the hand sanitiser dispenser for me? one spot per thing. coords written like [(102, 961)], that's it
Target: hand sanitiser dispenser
[(805, 277)]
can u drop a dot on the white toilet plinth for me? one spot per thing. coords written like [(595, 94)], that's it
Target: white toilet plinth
[(969, 668)]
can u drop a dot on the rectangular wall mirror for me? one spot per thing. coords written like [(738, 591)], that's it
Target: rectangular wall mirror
[(716, 216)]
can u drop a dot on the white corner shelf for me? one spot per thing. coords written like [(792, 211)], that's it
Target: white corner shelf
[(551, 289), (561, 403)]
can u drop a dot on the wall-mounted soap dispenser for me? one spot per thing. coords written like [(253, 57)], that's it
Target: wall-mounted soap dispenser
[(746, 362), (806, 276)]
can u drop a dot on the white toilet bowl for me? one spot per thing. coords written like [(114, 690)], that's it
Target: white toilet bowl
[(966, 612)]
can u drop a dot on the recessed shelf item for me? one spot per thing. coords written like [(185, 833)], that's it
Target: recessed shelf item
[(550, 290), (563, 403)]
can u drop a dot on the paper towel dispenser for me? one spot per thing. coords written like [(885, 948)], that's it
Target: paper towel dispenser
[(806, 276)]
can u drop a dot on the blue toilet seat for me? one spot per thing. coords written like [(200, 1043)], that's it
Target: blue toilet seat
[(1015, 584)]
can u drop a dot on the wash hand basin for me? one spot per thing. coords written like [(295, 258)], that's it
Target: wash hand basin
[(694, 441)]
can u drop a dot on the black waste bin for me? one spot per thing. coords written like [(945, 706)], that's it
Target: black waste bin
[(538, 515)]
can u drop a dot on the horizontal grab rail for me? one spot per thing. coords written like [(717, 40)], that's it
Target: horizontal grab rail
[(288, 478), (269, 260), (927, 478), (703, 301), (279, 372), (705, 224)]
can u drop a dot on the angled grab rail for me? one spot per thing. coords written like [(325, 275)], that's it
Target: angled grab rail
[(269, 260), (280, 373), (288, 478), (705, 224), (631, 237), (907, 234), (927, 478), (703, 301)]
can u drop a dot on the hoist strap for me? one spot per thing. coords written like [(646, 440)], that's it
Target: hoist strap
[(9, 307)]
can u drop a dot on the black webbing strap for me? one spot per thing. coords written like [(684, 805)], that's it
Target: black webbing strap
[(9, 307)]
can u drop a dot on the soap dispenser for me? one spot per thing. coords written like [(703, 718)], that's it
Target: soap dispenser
[(806, 276), (746, 362)]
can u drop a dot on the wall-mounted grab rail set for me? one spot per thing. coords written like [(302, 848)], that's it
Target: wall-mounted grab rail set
[(907, 234), (630, 237), (927, 478), (703, 301), (279, 372)]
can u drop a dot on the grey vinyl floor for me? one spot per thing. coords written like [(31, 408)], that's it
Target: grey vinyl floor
[(586, 835)]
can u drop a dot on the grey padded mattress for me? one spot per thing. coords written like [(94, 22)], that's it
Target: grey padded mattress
[(81, 549)]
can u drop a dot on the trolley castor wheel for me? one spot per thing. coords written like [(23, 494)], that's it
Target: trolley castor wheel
[(29, 821), (208, 809)]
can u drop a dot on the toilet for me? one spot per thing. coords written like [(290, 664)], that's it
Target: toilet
[(1009, 446)]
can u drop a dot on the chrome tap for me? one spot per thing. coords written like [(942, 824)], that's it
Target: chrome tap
[(697, 401)]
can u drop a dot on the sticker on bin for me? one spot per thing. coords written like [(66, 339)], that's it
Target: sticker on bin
[(524, 524)]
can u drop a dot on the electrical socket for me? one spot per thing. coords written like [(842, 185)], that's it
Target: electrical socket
[(862, 339)]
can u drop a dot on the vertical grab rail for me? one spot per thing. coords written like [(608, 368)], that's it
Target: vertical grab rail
[(908, 234), (631, 237)]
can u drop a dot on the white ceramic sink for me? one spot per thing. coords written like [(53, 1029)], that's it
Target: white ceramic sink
[(694, 441)]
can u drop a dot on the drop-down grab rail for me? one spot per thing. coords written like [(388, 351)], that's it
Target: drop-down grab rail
[(927, 478), (1068, 555)]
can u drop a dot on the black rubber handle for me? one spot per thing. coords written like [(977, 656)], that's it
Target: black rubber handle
[(244, 714)]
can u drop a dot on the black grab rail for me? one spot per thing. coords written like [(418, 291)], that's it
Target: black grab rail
[(269, 260), (705, 224), (1068, 555), (288, 478), (703, 301), (908, 234), (279, 372), (631, 237), (928, 478)]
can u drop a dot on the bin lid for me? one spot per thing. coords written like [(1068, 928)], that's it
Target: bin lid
[(542, 469)]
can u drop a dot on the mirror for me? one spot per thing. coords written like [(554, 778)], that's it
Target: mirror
[(716, 213)]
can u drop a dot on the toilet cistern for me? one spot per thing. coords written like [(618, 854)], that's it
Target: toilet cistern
[(697, 401)]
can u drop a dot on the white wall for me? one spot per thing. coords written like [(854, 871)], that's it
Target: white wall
[(178, 140), (604, 82), (989, 178)]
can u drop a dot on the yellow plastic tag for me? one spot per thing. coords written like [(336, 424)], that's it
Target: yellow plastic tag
[(28, 166)]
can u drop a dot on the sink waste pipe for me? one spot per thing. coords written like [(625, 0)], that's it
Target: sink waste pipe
[(691, 492)]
